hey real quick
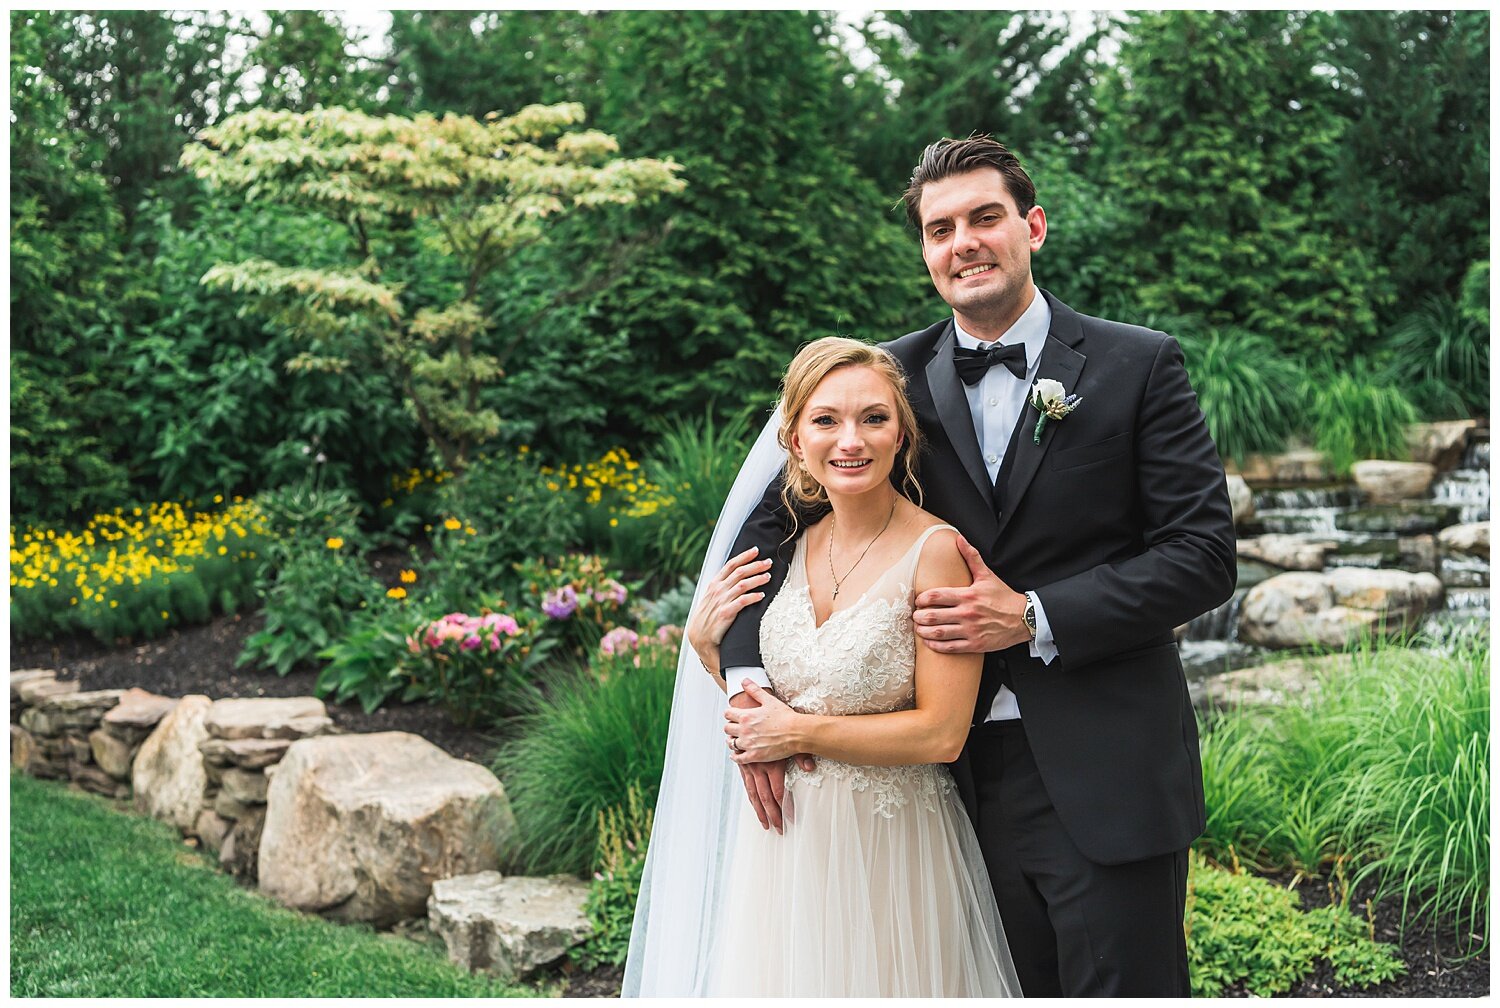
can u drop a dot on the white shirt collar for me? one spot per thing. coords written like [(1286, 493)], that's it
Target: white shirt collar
[(1030, 329)]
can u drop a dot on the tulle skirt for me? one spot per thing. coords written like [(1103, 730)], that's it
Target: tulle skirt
[(876, 889)]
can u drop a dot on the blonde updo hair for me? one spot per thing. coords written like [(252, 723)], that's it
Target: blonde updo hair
[(814, 362)]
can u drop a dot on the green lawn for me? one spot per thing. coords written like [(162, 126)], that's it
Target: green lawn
[(106, 904)]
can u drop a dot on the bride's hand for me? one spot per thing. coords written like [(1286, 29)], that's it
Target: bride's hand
[(723, 598), (767, 732)]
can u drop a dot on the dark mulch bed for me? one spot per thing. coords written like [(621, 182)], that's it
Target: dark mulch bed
[(201, 660)]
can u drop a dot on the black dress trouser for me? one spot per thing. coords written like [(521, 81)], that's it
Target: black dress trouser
[(1075, 928)]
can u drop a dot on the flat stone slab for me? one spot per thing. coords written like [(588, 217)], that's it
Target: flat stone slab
[(78, 710), (138, 710), (248, 753), (1288, 551), (266, 717), (19, 677), (508, 926), (34, 691)]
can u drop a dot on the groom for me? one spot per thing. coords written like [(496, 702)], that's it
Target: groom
[(1090, 536)]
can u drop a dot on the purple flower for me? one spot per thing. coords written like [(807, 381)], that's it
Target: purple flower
[(560, 603), (613, 591), (470, 642)]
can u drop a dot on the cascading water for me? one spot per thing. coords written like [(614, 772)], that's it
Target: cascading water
[(1396, 536)]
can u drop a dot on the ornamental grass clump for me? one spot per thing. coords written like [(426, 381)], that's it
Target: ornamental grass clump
[(135, 573), (601, 731), (1385, 776)]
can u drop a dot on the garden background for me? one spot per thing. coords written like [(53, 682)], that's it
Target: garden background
[(290, 341)]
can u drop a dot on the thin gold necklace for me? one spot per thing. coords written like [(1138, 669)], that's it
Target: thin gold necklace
[(838, 582)]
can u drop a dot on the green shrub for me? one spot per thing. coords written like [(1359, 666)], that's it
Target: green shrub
[(315, 578), (1250, 392), (364, 663), (671, 608), (579, 754), (1244, 930), (1353, 412), (497, 514)]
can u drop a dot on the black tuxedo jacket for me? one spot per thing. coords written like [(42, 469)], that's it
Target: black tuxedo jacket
[(1119, 520)]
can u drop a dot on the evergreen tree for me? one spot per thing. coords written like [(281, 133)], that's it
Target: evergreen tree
[(1220, 136)]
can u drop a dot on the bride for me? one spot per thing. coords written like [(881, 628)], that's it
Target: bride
[(876, 887)]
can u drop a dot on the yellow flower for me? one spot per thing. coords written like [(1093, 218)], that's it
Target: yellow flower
[(396, 593), (334, 542), (408, 576), (613, 522), (452, 524)]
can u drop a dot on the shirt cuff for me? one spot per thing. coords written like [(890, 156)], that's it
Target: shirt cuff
[(755, 673), (1042, 646)]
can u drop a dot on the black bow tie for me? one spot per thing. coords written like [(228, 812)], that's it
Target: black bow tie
[(972, 364)]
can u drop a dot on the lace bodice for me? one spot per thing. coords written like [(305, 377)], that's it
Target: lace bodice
[(862, 660)]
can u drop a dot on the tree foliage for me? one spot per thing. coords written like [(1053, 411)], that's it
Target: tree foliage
[(483, 189)]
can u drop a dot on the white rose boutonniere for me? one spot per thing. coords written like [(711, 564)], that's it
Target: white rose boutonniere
[(1052, 402)]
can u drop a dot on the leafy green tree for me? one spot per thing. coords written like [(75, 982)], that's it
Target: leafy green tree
[(475, 62), (1018, 75), (67, 281), (139, 84), (482, 190), (779, 239), (1220, 135), (1413, 161), (308, 60)]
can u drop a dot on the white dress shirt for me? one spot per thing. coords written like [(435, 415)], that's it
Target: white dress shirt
[(994, 403)]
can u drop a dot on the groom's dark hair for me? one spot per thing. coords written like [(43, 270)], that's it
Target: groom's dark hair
[(950, 157)]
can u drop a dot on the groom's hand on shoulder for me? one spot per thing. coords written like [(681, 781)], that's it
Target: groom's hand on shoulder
[(981, 617)]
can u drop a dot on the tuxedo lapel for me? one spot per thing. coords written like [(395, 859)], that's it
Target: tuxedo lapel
[(953, 411), (1064, 364)]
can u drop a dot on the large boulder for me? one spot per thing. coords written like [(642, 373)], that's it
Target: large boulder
[(1302, 465), (1439, 444), (1293, 680), (167, 775), (358, 827), (1471, 540), (1335, 607), (1387, 482), (1241, 500), (508, 926)]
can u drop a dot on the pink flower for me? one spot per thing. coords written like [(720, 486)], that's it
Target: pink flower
[(470, 642), (494, 640), (619, 639), (412, 645)]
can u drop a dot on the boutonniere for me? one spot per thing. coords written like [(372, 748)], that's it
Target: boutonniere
[(1052, 402)]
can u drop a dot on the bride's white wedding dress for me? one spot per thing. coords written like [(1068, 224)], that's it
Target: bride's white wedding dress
[(877, 887)]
